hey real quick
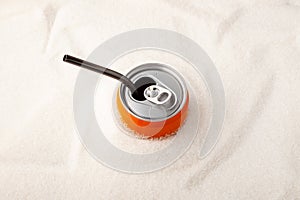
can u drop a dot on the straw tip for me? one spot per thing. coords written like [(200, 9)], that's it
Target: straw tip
[(65, 57)]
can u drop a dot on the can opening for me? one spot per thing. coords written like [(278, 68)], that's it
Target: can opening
[(141, 84)]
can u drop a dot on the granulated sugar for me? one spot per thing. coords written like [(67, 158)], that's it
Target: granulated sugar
[(255, 46), (105, 102)]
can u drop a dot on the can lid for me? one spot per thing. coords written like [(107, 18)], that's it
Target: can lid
[(164, 92)]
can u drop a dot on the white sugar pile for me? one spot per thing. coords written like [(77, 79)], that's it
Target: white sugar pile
[(105, 99), (255, 46)]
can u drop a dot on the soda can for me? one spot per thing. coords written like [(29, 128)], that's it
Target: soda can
[(160, 106)]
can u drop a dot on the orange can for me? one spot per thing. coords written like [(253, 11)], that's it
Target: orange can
[(161, 105)]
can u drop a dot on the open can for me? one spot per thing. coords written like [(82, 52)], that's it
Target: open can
[(161, 107)]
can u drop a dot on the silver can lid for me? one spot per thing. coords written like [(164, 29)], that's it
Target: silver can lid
[(162, 90)]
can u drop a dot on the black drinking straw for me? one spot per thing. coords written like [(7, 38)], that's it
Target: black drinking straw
[(102, 70)]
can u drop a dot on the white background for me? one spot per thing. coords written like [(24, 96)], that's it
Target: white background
[(255, 46)]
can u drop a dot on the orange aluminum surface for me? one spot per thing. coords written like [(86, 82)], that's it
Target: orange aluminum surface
[(150, 129)]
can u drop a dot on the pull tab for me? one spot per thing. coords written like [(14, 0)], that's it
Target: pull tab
[(158, 95)]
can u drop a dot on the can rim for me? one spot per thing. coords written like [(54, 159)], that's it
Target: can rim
[(179, 78)]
